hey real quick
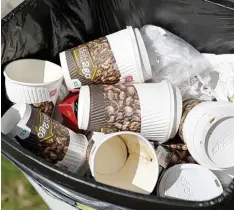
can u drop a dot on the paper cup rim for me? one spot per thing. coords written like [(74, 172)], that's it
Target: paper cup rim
[(177, 98), (41, 84), (108, 137), (144, 55), (136, 52), (84, 101), (24, 112)]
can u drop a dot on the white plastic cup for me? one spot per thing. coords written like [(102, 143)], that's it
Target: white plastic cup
[(209, 135), (156, 109), (33, 81), (189, 182), (36, 132), (125, 160), (80, 68)]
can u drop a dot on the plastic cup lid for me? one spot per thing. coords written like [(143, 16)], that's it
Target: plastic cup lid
[(197, 127), (220, 143), (147, 73), (181, 182)]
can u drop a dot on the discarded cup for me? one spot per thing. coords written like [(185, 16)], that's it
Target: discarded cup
[(35, 82), (189, 182), (209, 135), (42, 135), (125, 160), (154, 110), (112, 59)]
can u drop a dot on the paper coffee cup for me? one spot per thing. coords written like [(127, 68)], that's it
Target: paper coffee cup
[(131, 108), (46, 137), (108, 60), (209, 135), (35, 82), (125, 160), (180, 182)]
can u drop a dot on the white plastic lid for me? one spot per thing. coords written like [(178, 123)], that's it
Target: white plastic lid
[(198, 125), (190, 182), (84, 108), (146, 67), (220, 143)]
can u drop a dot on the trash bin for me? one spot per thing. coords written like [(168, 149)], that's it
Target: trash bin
[(41, 29)]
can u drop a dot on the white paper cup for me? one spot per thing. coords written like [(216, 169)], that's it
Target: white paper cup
[(145, 63), (33, 81), (42, 135), (107, 60), (131, 108), (125, 160), (181, 182), (208, 133)]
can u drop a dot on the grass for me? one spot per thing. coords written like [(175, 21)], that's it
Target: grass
[(17, 192)]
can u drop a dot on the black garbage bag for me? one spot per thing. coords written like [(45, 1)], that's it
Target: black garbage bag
[(41, 29)]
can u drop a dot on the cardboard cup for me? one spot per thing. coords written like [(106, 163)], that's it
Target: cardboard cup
[(108, 60), (125, 160), (34, 82), (42, 135), (209, 135), (131, 108)]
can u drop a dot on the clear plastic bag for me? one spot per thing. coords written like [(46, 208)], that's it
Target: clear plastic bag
[(172, 58)]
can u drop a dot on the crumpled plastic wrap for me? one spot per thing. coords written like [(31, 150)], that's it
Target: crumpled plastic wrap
[(205, 77), (172, 58)]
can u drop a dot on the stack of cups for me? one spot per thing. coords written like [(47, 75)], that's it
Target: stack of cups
[(208, 132), (34, 82), (120, 57), (154, 110), (125, 160)]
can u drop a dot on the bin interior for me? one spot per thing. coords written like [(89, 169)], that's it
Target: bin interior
[(42, 29)]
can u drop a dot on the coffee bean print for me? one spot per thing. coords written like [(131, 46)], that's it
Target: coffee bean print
[(122, 107), (107, 71), (45, 107), (188, 105)]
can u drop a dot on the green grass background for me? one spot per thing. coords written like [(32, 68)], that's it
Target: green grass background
[(17, 192)]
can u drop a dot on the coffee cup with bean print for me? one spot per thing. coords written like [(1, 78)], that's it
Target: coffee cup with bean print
[(154, 110), (112, 59), (45, 137), (125, 160), (35, 82)]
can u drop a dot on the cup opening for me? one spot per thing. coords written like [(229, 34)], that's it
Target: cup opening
[(123, 161), (33, 72), (11, 118)]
